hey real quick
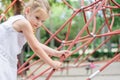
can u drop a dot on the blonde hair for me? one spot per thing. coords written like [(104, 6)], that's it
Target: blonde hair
[(43, 4)]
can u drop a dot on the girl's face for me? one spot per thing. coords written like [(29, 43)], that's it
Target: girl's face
[(36, 17)]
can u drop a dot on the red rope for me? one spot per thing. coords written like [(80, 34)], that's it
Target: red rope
[(3, 14), (85, 40)]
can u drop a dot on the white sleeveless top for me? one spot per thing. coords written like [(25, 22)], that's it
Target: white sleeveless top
[(11, 41)]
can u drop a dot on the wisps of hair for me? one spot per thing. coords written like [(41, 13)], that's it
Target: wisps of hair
[(43, 4)]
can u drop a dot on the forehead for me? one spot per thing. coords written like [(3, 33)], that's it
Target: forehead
[(42, 14)]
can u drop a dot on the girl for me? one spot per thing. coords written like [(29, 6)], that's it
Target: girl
[(18, 30)]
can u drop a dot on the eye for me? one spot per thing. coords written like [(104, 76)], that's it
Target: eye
[(37, 17)]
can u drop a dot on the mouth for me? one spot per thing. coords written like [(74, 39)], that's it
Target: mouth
[(36, 26)]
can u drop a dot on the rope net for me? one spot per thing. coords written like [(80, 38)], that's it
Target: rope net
[(84, 37)]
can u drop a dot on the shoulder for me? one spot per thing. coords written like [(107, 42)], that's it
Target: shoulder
[(21, 20), (22, 24)]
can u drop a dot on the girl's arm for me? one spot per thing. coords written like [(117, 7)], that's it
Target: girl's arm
[(53, 52), (49, 51), (25, 27)]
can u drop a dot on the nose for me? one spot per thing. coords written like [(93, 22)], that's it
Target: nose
[(39, 23)]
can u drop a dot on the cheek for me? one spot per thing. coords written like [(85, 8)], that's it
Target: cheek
[(32, 20), (40, 23)]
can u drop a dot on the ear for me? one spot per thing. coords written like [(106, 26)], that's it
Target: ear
[(27, 10)]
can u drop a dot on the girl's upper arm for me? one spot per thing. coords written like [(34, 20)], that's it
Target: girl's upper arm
[(27, 30)]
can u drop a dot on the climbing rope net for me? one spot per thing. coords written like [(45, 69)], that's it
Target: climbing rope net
[(95, 8)]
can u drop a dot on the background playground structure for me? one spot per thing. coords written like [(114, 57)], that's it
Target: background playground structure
[(97, 18)]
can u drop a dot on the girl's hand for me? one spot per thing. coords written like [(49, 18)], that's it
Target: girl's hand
[(62, 52), (57, 65)]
